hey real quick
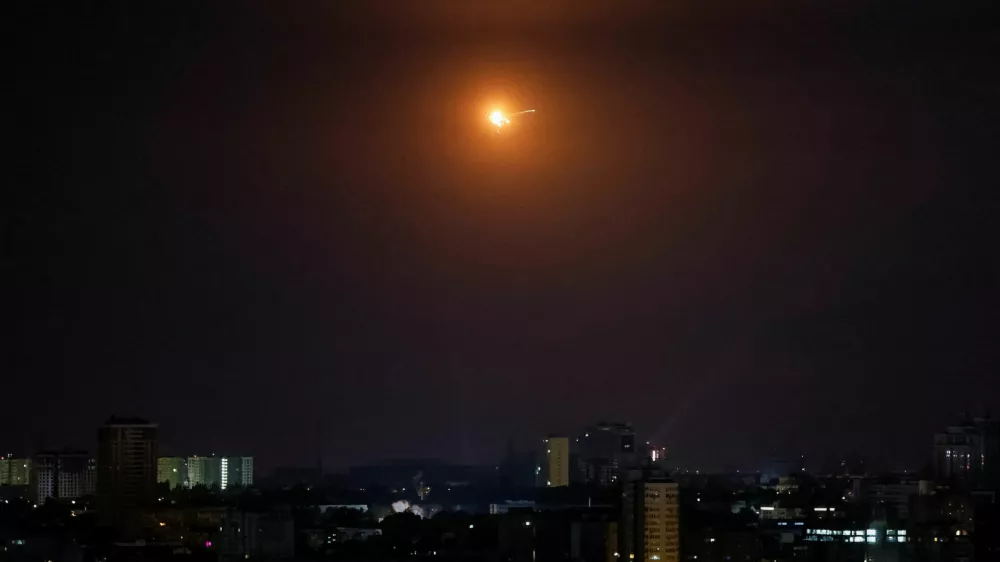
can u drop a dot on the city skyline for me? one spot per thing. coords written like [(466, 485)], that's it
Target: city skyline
[(582, 455), (289, 232)]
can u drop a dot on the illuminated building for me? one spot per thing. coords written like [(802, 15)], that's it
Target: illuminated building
[(172, 470), (557, 458), (63, 475), (224, 472), (202, 471), (15, 471), (236, 472), (126, 469), (650, 526)]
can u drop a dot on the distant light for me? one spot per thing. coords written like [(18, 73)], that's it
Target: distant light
[(471, 526), (72, 502), (711, 539), (527, 523), (163, 523)]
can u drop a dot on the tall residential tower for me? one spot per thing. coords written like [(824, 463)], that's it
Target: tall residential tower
[(650, 525), (557, 458), (126, 471)]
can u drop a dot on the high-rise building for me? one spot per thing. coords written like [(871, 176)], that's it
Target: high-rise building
[(969, 454), (557, 458), (204, 471), (198, 471), (63, 475), (172, 471), (605, 450), (126, 474), (650, 527), (221, 472), (15, 471), (235, 472)]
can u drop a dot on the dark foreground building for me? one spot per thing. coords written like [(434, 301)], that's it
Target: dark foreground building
[(126, 461)]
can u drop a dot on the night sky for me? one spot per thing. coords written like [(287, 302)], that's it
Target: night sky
[(768, 230)]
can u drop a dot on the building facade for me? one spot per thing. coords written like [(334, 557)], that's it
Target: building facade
[(64, 475), (558, 461), (236, 472), (172, 471), (202, 471), (605, 449), (15, 471), (220, 472), (650, 525), (969, 454), (127, 466)]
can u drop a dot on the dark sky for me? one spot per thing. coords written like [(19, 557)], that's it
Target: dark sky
[(754, 231)]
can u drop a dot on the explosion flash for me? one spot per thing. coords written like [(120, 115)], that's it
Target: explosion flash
[(500, 120)]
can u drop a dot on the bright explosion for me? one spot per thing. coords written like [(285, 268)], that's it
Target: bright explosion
[(501, 120), (498, 119)]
